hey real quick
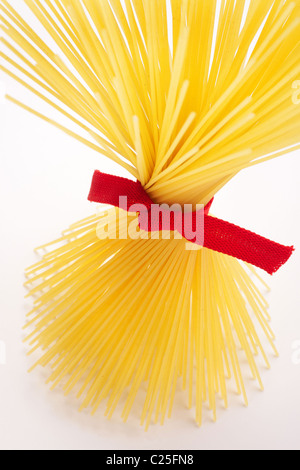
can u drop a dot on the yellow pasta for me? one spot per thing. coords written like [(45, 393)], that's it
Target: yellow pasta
[(183, 95)]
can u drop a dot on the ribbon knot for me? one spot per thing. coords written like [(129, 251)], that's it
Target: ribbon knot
[(203, 229)]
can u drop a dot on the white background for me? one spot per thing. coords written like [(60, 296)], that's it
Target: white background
[(45, 178)]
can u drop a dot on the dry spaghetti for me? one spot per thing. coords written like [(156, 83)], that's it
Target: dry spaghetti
[(183, 94)]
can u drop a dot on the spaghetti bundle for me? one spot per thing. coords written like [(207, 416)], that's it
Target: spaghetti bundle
[(183, 94)]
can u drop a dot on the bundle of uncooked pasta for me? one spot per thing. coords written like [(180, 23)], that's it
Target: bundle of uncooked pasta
[(183, 94)]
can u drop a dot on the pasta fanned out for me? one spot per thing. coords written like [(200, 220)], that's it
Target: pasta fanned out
[(183, 94), (175, 99)]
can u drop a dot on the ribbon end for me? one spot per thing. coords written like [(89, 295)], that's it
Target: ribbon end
[(288, 251)]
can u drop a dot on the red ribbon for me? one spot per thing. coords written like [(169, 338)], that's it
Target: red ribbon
[(219, 235)]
